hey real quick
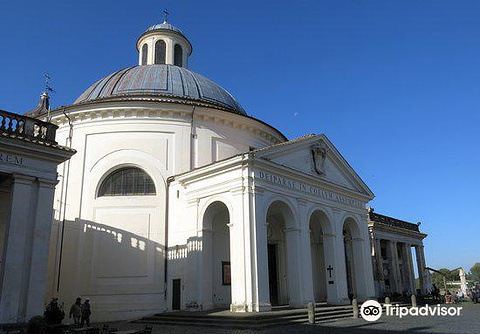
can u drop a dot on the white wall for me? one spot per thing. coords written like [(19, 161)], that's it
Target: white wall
[(114, 247)]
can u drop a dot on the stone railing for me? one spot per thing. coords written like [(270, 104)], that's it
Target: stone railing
[(393, 222), (27, 127)]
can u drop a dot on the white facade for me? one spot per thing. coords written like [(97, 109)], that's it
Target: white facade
[(156, 137)]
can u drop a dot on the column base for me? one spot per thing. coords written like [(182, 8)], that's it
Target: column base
[(241, 308), (300, 304), (238, 308)]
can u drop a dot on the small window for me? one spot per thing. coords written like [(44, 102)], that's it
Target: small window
[(144, 54), (128, 181), (160, 51), (178, 56)]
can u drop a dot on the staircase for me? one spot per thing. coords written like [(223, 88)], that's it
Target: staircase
[(279, 316)]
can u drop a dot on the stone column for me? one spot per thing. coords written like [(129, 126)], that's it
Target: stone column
[(237, 259), (206, 268), (411, 272), (17, 252), (334, 251), (394, 272), (362, 264), (40, 248), (335, 278), (294, 267), (422, 272), (305, 255), (256, 244), (379, 266)]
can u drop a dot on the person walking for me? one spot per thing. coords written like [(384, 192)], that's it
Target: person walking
[(86, 312), (76, 311)]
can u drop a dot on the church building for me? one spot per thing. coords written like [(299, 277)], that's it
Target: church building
[(177, 199)]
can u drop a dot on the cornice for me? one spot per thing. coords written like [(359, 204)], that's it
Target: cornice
[(122, 110)]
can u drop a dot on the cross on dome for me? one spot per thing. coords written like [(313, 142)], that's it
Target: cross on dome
[(165, 15)]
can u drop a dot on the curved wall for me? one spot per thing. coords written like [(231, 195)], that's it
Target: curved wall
[(114, 247)]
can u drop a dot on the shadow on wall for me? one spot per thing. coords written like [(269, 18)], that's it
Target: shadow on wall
[(121, 272)]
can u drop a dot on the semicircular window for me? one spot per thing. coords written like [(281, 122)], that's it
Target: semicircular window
[(128, 181)]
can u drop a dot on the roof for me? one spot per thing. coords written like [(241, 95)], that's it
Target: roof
[(163, 81), (285, 143), (164, 26), (390, 221)]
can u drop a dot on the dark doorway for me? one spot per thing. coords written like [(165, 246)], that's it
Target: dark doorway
[(272, 273), (176, 294)]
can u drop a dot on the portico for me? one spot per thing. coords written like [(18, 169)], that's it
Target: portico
[(392, 241), (292, 230)]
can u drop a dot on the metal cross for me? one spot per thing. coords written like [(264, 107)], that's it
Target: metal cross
[(48, 88), (165, 15), (330, 268)]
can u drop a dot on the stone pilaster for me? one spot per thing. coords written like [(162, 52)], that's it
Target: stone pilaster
[(16, 273), (394, 272)]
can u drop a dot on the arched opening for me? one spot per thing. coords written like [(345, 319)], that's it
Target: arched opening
[(178, 55), (216, 249), (280, 254), (160, 52), (127, 181), (144, 54), (353, 246), (319, 224)]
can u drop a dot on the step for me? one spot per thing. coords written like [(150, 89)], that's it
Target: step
[(282, 318)]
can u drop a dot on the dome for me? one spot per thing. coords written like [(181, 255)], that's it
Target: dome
[(161, 80), (164, 26)]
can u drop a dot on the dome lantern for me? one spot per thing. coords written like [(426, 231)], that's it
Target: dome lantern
[(163, 43)]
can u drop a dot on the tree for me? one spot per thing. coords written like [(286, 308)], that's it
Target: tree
[(450, 275), (474, 274)]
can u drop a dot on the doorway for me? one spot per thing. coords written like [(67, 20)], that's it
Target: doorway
[(176, 295), (272, 274)]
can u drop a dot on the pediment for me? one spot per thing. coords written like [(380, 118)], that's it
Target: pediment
[(316, 156)]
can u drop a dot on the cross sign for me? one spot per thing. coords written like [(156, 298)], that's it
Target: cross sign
[(330, 268), (165, 15)]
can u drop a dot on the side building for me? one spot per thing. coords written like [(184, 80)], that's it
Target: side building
[(392, 241), (29, 156)]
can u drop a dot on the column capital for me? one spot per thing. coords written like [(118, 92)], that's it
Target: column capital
[(24, 179), (292, 229), (47, 183), (302, 201)]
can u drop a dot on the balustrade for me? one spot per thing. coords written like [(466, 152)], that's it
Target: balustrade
[(27, 127)]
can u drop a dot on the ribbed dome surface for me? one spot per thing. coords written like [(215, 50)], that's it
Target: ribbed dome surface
[(161, 81), (165, 26)]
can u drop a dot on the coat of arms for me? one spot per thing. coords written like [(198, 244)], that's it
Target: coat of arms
[(319, 154)]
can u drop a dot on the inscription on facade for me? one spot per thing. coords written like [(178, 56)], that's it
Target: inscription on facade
[(11, 159), (290, 184)]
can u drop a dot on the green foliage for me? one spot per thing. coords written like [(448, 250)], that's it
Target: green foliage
[(451, 275), (474, 273)]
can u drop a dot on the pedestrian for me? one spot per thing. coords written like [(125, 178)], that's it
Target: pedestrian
[(86, 312), (76, 311), (54, 314)]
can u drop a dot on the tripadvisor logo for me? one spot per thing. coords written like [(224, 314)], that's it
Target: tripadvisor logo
[(371, 310)]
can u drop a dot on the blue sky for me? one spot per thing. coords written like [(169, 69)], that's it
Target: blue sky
[(393, 84)]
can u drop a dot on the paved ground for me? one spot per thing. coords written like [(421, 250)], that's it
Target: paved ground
[(467, 323)]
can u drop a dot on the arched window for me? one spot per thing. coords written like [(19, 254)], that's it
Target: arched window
[(178, 56), (128, 181), (160, 51), (144, 54)]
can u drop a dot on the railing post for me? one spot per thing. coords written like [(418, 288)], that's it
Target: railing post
[(355, 308), (311, 313)]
